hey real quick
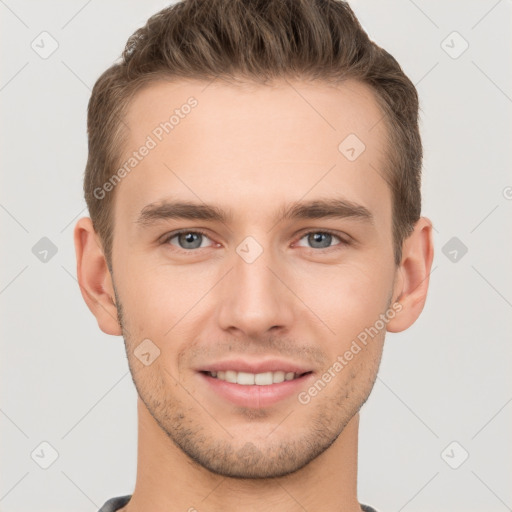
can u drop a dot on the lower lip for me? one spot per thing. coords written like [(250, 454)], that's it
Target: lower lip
[(255, 396)]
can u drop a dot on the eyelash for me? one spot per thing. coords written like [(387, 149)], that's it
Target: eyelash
[(172, 235)]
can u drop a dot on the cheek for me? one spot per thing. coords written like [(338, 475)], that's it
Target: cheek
[(347, 297), (159, 300)]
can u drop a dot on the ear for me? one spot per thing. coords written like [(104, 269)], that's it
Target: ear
[(413, 275), (94, 277)]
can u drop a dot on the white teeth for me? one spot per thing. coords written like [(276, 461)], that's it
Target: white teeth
[(277, 377), (230, 376), (246, 379), (263, 379), (250, 379)]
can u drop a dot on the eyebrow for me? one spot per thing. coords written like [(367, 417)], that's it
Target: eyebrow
[(335, 208)]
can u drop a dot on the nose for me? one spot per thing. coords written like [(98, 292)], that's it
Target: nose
[(254, 299)]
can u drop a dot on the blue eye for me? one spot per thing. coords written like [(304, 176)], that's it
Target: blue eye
[(321, 239), (187, 239)]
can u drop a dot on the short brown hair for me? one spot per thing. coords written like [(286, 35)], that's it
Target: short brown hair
[(257, 40)]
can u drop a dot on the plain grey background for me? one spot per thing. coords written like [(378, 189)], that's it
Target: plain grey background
[(433, 435)]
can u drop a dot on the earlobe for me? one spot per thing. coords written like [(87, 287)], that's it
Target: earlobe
[(94, 277), (415, 269)]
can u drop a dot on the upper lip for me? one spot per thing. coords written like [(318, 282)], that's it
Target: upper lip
[(267, 365)]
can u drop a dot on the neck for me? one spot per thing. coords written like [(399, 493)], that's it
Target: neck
[(168, 480)]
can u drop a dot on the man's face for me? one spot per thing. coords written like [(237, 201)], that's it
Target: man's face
[(253, 288)]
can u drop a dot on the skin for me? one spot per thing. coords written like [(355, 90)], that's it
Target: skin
[(252, 150)]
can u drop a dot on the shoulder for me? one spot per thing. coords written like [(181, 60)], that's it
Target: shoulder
[(115, 504), (367, 508)]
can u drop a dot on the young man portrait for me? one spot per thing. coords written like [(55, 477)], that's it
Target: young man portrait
[(253, 182)]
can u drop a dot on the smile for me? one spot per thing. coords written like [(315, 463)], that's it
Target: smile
[(258, 379)]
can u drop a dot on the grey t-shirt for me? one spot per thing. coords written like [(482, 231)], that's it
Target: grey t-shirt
[(114, 504)]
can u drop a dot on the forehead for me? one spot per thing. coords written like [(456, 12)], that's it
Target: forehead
[(254, 147)]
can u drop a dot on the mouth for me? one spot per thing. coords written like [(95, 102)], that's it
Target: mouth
[(255, 379), (254, 390)]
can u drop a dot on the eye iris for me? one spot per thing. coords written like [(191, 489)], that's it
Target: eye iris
[(190, 238), (185, 239), (315, 238)]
